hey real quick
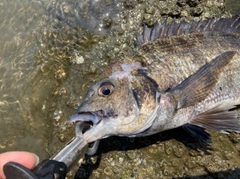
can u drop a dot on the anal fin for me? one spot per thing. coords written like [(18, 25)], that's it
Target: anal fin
[(219, 119)]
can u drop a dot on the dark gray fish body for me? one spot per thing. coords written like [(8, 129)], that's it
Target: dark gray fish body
[(182, 74)]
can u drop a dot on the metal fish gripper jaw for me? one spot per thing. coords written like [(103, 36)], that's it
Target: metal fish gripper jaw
[(57, 166)]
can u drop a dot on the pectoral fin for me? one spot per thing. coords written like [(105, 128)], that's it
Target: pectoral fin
[(199, 85), (219, 119)]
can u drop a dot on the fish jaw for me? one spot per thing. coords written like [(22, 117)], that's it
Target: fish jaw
[(102, 127), (97, 130), (104, 124)]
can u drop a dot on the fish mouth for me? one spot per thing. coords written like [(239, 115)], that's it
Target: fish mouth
[(96, 129), (86, 120)]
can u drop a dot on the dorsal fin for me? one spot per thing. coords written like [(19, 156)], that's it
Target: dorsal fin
[(221, 25)]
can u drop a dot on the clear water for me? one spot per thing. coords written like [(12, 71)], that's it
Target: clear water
[(39, 40)]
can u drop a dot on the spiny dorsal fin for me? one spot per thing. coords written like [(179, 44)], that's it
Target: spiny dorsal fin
[(221, 25), (219, 119), (199, 85)]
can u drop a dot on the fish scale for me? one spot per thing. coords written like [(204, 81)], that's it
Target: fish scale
[(228, 93), (176, 71), (180, 74)]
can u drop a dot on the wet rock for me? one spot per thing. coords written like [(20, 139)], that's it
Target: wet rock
[(192, 3), (107, 22)]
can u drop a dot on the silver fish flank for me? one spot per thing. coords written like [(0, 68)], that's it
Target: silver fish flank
[(181, 74)]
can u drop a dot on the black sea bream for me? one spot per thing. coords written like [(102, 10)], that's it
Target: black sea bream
[(181, 74)]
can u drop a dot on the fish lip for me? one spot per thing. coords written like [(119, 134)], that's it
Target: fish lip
[(91, 117)]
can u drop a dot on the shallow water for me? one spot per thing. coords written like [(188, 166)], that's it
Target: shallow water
[(39, 40), (233, 6), (23, 92), (51, 51)]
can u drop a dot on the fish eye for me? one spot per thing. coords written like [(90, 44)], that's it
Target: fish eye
[(105, 89)]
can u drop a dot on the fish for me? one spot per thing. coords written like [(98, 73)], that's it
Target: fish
[(182, 74)]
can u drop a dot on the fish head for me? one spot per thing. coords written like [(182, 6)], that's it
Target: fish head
[(110, 105)]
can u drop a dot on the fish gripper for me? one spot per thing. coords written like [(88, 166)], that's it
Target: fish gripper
[(57, 166)]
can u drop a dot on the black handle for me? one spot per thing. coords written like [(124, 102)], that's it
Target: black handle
[(47, 169)]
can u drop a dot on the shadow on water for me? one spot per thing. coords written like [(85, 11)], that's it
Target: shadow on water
[(228, 174), (126, 143), (116, 143), (85, 173)]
